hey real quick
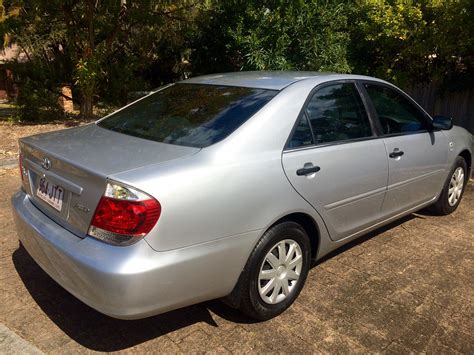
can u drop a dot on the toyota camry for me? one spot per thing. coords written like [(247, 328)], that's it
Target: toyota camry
[(229, 186)]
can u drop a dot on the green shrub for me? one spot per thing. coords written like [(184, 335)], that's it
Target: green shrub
[(37, 104)]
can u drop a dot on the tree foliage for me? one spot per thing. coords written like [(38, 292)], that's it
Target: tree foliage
[(411, 42), (449, 37), (386, 39), (108, 48), (273, 35), (92, 44)]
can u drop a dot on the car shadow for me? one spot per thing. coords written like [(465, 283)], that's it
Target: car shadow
[(235, 316), (366, 237), (95, 330), (99, 332)]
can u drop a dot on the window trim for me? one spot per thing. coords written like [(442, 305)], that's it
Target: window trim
[(372, 122), (322, 145), (426, 115)]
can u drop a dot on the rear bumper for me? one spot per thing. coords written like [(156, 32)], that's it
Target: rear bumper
[(134, 281)]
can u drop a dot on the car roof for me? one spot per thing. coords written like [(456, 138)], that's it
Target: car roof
[(272, 80)]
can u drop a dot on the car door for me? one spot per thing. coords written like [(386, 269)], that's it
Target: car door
[(334, 160), (417, 154)]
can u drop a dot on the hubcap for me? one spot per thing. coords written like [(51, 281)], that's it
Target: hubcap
[(455, 186), (280, 271)]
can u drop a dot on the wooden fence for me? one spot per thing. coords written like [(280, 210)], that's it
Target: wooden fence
[(459, 105)]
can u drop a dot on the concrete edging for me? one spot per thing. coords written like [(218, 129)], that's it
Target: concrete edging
[(8, 163), (11, 343)]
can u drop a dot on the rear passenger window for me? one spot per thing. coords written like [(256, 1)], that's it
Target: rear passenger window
[(336, 113), (302, 135), (396, 113)]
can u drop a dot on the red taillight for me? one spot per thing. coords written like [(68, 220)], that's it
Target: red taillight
[(132, 218), (124, 215)]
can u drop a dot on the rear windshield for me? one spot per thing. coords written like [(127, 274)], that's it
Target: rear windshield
[(189, 114)]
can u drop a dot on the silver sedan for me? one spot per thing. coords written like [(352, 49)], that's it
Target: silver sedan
[(229, 186)]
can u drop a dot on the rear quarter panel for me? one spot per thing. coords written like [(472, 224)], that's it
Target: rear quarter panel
[(203, 200)]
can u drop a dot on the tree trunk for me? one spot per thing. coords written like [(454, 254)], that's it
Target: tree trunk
[(88, 88), (86, 106)]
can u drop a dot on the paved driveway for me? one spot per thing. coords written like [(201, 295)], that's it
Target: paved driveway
[(407, 287)]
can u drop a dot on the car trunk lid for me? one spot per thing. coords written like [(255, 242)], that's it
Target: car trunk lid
[(68, 169)]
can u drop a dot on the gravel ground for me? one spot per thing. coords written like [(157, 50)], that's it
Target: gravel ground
[(405, 288)]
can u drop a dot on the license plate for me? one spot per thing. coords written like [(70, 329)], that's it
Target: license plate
[(50, 193)]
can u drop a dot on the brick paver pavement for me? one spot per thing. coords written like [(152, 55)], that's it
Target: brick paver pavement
[(407, 287)]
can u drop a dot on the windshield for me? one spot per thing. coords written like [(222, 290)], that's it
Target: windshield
[(189, 114)]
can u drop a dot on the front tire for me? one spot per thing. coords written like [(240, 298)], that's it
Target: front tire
[(453, 188), (275, 271)]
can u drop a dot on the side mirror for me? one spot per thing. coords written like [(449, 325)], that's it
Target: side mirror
[(442, 122)]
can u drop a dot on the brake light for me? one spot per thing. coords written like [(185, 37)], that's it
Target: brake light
[(124, 215)]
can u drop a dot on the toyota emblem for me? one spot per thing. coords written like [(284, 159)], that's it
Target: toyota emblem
[(46, 163)]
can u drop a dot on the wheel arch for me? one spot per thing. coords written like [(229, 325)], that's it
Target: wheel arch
[(466, 155), (308, 224)]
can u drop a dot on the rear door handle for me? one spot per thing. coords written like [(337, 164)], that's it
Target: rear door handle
[(396, 153), (308, 170)]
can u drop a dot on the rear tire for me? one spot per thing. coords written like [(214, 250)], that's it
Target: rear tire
[(453, 188), (275, 271)]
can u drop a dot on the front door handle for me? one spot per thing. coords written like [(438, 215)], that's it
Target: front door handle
[(396, 153), (307, 170)]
